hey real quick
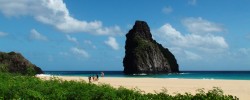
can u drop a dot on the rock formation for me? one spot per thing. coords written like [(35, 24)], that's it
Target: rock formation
[(145, 55), (15, 63)]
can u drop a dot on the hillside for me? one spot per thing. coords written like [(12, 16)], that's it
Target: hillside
[(13, 62)]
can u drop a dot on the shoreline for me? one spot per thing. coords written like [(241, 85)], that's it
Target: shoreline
[(239, 88), (142, 76)]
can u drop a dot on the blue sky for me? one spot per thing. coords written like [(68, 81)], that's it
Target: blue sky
[(90, 34)]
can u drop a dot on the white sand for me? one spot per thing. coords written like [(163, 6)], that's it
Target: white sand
[(239, 88)]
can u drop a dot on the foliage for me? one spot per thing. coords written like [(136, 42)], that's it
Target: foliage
[(15, 63), (13, 86), (3, 67), (30, 70), (141, 44)]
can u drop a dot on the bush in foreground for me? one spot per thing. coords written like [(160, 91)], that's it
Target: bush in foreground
[(26, 87)]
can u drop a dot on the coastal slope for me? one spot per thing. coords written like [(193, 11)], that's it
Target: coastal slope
[(13, 62)]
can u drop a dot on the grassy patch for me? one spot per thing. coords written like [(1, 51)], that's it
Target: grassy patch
[(14, 86)]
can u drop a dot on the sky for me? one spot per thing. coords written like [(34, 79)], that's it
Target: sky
[(89, 35)]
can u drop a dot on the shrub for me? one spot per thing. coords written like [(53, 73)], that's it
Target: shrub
[(14, 86)]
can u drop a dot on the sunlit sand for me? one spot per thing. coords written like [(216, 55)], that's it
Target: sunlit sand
[(239, 88)]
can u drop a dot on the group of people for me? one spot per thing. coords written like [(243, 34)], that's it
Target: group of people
[(95, 77)]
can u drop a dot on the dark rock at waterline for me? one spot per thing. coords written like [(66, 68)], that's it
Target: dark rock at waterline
[(15, 63), (145, 55)]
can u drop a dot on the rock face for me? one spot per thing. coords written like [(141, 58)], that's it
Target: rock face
[(15, 63), (145, 55)]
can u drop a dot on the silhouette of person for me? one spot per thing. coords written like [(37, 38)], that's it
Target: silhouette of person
[(97, 77), (89, 79), (102, 74)]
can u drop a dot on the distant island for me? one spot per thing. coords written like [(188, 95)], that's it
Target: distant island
[(144, 55), (13, 62)]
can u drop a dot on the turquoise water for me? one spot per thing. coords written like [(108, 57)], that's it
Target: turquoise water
[(226, 75)]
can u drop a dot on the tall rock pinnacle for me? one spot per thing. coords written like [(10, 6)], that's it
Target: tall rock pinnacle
[(145, 55)]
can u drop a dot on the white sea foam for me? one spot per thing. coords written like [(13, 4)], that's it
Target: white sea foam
[(184, 73), (142, 74), (43, 75), (208, 79)]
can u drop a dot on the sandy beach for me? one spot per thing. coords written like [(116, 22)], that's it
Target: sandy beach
[(239, 88)]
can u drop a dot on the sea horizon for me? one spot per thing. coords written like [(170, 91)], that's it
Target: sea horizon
[(211, 75)]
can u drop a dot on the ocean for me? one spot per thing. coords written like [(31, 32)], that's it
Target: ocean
[(210, 75)]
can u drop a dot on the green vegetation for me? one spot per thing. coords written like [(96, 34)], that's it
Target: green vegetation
[(141, 44), (14, 86), (3, 67), (15, 63)]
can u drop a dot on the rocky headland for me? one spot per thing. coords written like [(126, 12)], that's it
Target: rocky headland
[(13, 62), (144, 55)]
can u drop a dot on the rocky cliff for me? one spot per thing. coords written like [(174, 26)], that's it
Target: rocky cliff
[(15, 63), (145, 55)]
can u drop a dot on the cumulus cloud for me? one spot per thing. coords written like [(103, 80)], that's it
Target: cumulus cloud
[(204, 42), (192, 2), (79, 52), (199, 26), (56, 14), (35, 35), (167, 10), (112, 43), (2, 34), (194, 46), (71, 39)]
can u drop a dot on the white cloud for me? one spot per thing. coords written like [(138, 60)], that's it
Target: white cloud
[(88, 42), (20, 7), (192, 56), (192, 46), (202, 42), (192, 2), (2, 34), (71, 39), (64, 53), (112, 43), (55, 13), (245, 51), (35, 35), (167, 10), (200, 26), (79, 52), (129, 26), (241, 55)]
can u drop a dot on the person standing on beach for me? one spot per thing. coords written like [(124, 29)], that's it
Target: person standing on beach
[(102, 74), (93, 77), (97, 77), (89, 79)]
